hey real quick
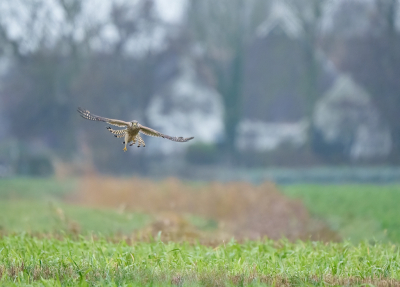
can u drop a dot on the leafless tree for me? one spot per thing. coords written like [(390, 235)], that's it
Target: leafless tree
[(223, 29)]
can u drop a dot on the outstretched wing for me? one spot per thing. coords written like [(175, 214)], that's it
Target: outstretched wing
[(153, 133), (87, 115)]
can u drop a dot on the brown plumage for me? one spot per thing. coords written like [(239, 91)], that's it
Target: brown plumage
[(131, 131)]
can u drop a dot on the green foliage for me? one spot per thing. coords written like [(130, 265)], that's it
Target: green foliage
[(35, 166), (356, 211), (25, 260)]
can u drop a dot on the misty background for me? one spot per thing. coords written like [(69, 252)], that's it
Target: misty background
[(270, 89)]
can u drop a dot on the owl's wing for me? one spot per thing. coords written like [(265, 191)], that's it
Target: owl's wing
[(153, 133), (87, 115)]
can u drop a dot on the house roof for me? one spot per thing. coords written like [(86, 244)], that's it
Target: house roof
[(281, 15)]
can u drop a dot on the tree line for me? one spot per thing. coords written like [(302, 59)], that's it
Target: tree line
[(53, 65)]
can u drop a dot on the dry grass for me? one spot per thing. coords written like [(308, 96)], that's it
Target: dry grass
[(241, 209)]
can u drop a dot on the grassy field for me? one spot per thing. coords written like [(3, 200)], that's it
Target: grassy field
[(54, 217), (36, 188), (356, 212), (183, 211), (100, 231), (38, 205), (53, 262)]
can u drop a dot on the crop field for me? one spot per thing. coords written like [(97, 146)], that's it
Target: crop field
[(135, 232), (52, 262), (356, 212)]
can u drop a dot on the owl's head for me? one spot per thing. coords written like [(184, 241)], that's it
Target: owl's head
[(134, 124)]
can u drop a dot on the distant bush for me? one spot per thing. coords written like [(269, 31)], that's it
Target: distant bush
[(202, 153), (35, 165)]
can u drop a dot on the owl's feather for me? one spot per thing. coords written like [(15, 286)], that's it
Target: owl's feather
[(89, 116), (131, 129), (153, 133)]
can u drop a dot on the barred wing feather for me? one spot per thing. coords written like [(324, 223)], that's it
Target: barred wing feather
[(89, 116), (153, 133)]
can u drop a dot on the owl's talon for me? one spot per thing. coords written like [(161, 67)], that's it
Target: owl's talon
[(125, 149)]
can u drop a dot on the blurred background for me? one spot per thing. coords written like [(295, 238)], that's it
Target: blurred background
[(302, 93)]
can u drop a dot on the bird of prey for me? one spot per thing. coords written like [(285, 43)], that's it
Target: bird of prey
[(131, 131)]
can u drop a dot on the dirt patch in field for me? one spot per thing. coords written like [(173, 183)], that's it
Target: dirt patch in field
[(240, 209)]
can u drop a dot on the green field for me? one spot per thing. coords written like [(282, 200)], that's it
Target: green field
[(48, 240), (50, 217), (36, 205), (52, 262), (35, 188), (357, 212)]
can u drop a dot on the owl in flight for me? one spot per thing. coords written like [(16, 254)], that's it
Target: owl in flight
[(131, 131)]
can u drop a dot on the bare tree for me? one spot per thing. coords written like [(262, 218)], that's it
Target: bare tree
[(372, 57), (310, 14), (223, 29)]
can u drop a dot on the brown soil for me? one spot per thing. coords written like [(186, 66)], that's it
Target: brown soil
[(241, 209)]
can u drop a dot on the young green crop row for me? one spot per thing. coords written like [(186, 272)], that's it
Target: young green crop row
[(30, 260), (356, 211)]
